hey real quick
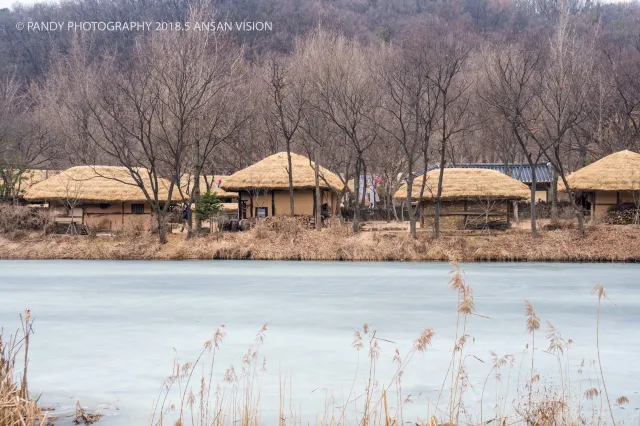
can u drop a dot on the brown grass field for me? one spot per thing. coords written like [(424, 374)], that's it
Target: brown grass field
[(288, 241)]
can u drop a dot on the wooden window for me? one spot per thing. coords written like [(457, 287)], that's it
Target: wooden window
[(262, 211), (137, 208)]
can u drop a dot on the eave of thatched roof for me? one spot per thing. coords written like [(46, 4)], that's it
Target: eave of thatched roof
[(272, 174), (186, 183), (464, 184), (616, 172), (97, 184)]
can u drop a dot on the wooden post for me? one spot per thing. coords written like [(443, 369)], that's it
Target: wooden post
[(273, 203), (593, 208), (123, 214), (315, 202), (465, 216), (240, 205)]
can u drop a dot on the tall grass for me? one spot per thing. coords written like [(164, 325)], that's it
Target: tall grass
[(17, 408), (534, 400)]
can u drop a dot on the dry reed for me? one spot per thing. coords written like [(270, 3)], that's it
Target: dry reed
[(16, 406), (553, 401)]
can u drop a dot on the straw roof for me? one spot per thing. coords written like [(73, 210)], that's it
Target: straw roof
[(98, 184), (615, 172), (32, 176), (186, 183), (461, 184), (272, 173)]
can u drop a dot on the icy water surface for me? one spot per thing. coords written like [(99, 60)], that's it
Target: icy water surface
[(107, 332)]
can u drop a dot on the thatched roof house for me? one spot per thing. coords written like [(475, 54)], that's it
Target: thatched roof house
[(100, 184), (272, 173), (615, 172), (477, 198), (612, 180), (101, 197), (466, 184), (264, 187)]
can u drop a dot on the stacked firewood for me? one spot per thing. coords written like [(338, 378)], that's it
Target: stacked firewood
[(623, 214)]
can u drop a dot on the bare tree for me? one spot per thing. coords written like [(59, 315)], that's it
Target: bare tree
[(450, 55), (561, 100), (207, 107), (285, 106), (342, 83), (410, 103), (509, 91), (26, 137), (118, 114)]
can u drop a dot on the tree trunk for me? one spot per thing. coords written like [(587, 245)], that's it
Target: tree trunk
[(194, 196), (393, 207), (436, 218), (412, 212), (576, 208), (364, 184), (554, 195), (580, 217), (290, 179), (356, 204), (318, 212), (534, 182), (162, 232), (196, 199)]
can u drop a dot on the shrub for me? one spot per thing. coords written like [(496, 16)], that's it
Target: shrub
[(20, 218), (207, 206)]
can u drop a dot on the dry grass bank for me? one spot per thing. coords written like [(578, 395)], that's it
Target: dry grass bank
[(603, 243)]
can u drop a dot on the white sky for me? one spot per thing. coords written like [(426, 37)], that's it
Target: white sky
[(10, 3)]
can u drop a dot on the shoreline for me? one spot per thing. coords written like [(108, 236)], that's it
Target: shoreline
[(602, 244)]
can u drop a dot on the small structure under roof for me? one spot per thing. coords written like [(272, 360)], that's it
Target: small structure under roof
[(104, 197), (521, 172), (612, 180), (470, 197), (263, 187)]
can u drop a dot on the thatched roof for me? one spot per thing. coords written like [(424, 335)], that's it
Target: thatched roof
[(186, 183), (32, 176), (98, 184), (461, 184), (272, 174), (615, 172)]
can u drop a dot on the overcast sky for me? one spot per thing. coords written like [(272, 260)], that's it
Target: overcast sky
[(10, 3)]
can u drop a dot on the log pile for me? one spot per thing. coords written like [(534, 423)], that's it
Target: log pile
[(278, 222)]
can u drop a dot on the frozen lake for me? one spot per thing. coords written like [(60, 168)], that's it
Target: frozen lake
[(105, 331)]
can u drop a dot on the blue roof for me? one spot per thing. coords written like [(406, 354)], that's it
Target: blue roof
[(521, 172)]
